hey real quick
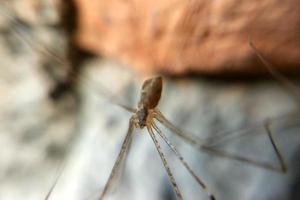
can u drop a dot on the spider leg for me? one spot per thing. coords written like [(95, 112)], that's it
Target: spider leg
[(185, 164), (60, 171), (163, 120), (119, 160), (212, 150), (109, 96), (285, 82), (275, 147), (232, 156), (224, 136), (42, 49), (165, 163)]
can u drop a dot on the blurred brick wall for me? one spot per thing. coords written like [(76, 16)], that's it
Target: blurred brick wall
[(192, 36)]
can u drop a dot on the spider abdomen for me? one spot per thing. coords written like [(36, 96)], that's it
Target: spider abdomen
[(151, 93)]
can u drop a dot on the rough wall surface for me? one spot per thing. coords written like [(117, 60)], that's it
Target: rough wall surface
[(200, 36)]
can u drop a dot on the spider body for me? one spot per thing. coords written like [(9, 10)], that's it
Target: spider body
[(150, 96)]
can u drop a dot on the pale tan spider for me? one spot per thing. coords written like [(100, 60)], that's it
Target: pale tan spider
[(147, 115), (144, 116)]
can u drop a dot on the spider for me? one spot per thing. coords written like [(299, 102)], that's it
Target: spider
[(147, 115)]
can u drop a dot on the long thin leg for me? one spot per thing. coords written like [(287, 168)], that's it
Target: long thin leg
[(162, 119), (285, 82), (119, 160), (185, 164), (103, 91), (46, 51), (220, 153), (163, 159), (275, 147), (224, 136), (60, 171), (159, 116)]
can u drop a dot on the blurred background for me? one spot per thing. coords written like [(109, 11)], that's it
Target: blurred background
[(64, 64)]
